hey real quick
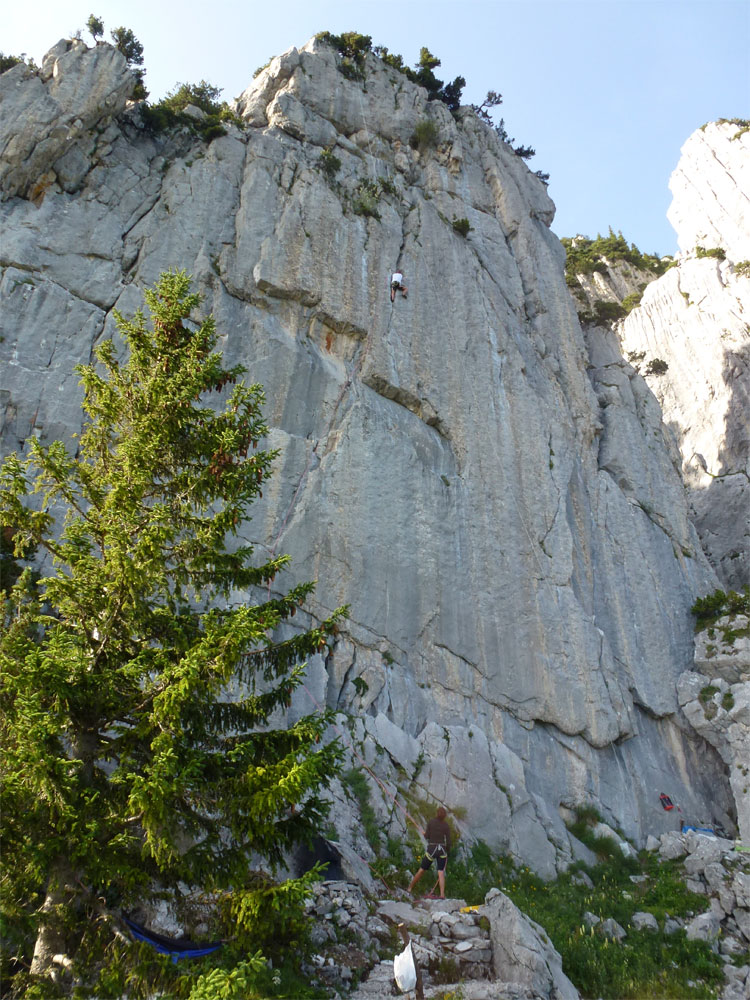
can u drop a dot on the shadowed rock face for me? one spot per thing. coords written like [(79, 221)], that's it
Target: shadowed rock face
[(715, 696), (494, 498)]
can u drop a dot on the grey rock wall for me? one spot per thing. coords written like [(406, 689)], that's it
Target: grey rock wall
[(494, 497), (695, 318), (715, 696)]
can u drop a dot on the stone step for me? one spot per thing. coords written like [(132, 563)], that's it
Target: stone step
[(380, 983)]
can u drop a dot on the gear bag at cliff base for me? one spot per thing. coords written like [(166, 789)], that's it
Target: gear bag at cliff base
[(404, 970)]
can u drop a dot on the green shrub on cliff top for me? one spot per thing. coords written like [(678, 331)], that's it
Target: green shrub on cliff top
[(585, 256), (170, 112), (353, 47)]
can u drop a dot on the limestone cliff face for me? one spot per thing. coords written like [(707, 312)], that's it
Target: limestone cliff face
[(715, 696), (495, 498), (696, 318)]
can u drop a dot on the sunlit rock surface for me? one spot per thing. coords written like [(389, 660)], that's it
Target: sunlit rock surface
[(495, 498), (696, 318)]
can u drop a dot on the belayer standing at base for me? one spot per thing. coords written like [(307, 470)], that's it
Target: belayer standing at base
[(397, 285), (438, 837)]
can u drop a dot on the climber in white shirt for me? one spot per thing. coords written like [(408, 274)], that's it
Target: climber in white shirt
[(397, 285)]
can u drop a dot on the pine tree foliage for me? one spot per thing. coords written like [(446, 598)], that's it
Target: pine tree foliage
[(125, 760)]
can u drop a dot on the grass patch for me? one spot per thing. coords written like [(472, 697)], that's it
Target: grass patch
[(646, 964), (355, 781), (425, 135)]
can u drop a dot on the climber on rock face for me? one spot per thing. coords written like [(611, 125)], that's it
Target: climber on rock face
[(438, 837), (397, 285)]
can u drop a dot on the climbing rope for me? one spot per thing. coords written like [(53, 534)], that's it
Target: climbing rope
[(354, 370)]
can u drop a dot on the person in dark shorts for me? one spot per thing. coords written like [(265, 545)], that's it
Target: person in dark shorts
[(397, 285), (438, 837)]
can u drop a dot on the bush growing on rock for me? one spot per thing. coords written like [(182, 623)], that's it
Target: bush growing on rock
[(95, 26), (716, 252), (170, 112), (462, 227), (631, 301), (607, 312), (353, 47), (365, 201), (709, 609), (8, 62), (425, 135), (585, 256), (125, 42), (330, 164)]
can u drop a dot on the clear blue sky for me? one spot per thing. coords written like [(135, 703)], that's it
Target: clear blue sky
[(606, 91)]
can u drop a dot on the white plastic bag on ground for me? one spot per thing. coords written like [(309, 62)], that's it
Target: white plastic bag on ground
[(404, 970)]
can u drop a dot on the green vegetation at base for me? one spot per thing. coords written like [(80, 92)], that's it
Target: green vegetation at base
[(585, 256), (742, 268), (646, 964)]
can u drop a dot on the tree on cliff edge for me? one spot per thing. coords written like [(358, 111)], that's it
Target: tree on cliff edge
[(126, 766)]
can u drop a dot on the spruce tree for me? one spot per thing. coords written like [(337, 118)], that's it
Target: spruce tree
[(141, 687)]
